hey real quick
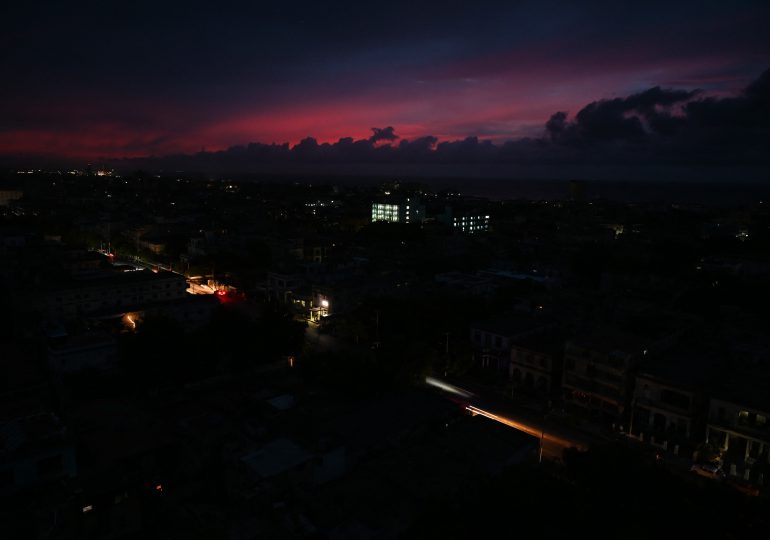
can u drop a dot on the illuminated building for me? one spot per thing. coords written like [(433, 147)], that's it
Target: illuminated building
[(322, 305), (406, 210), (465, 220), (471, 224)]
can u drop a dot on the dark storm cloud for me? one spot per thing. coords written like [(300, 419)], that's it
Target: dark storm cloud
[(556, 124), (84, 80), (210, 51), (383, 134), (622, 119), (654, 127)]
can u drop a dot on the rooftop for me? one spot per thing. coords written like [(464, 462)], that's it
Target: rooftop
[(276, 457), (512, 325), (111, 277)]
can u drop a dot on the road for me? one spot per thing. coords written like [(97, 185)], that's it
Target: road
[(194, 288), (553, 441), (319, 341), (555, 437)]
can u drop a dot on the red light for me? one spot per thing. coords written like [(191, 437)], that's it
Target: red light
[(159, 488), (221, 292)]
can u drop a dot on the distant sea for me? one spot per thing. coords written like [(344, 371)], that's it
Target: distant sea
[(724, 194), (714, 193)]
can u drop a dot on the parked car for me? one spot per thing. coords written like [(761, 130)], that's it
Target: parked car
[(709, 470)]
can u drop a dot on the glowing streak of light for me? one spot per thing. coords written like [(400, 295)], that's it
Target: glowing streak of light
[(452, 389), (529, 430)]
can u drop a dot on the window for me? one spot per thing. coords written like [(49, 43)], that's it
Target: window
[(676, 399)]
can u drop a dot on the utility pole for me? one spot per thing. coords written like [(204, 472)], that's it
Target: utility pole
[(376, 328), (540, 452), (446, 354)]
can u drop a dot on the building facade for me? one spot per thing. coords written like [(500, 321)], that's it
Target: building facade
[(742, 434), (113, 293), (536, 362), (665, 413), (598, 380), (406, 210), (465, 219)]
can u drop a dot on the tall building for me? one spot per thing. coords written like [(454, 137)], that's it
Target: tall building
[(465, 219), (470, 222), (577, 190), (404, 210)]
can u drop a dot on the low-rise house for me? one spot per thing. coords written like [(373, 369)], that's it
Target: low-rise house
[(492, 340), (600, 364), (112, 292), (740, 429), (536, 362)]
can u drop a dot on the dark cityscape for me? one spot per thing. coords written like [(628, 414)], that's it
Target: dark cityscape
[(342, 270)]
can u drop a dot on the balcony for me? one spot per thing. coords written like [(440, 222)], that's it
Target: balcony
[(593, 387), (665, 406), (744, 427)]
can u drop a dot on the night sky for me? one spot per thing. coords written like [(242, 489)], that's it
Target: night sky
[(131, 79)]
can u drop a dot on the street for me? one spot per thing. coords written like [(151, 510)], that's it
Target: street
[(555, 438)]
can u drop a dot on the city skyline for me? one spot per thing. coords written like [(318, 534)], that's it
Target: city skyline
[(351, 270)]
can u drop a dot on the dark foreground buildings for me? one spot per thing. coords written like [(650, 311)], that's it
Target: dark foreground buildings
[(186, 358)]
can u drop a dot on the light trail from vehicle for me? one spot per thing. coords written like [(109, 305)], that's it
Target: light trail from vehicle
[(529, 429), (446, 387)]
